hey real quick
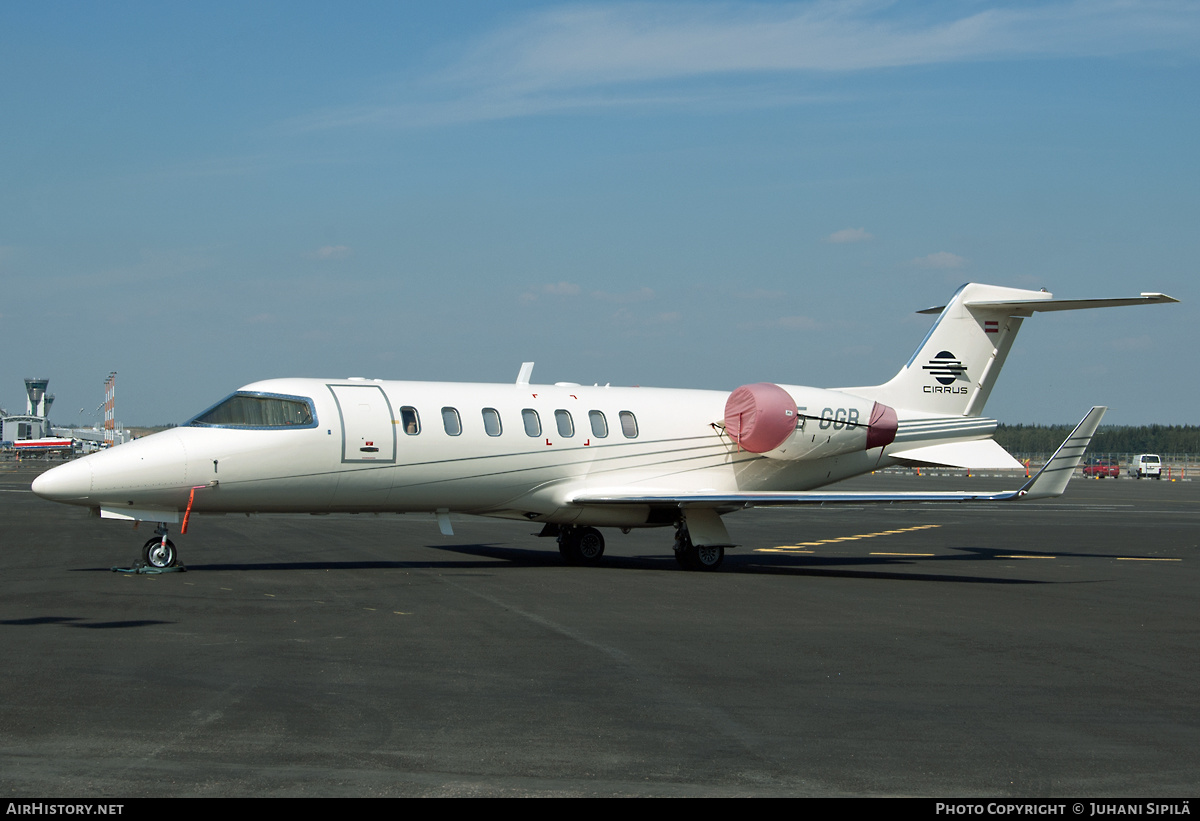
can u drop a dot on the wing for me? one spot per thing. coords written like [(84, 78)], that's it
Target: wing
[(1049, 482)]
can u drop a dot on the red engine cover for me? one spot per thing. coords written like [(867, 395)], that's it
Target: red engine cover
[(760, 417), (882, 430)]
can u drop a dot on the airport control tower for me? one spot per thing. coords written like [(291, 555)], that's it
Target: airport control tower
[(34, 424), (37, 402)]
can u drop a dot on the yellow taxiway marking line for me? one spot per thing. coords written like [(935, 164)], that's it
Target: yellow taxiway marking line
[(1026, 557), (901, 554), (796, 547), (1139, 559)]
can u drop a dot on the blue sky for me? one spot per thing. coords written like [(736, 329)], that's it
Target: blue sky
[(685, 195)]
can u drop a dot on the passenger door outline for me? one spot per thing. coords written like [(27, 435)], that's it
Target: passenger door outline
[(368, 431)]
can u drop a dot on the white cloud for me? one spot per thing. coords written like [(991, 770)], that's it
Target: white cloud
[(760, 293), (794, 323), (805, 322), (642, 294), (332, 252), (942, 260), (550, 288), (594, 44), (849, 235), (640, 324), (153, 267), (603, 56)]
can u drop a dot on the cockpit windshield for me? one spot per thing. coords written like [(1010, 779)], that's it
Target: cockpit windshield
[(258, 410)]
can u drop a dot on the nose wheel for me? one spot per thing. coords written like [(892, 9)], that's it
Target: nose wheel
[(159, 552)]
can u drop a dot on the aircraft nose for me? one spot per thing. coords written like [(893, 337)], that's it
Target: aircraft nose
[(65, 483)]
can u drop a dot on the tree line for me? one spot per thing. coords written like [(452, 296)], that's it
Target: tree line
[(1160, 439)]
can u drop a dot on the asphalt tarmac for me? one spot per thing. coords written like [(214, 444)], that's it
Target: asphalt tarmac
[(1032, 650)]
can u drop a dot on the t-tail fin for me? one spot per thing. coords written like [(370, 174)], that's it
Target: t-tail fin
[(954, 368)]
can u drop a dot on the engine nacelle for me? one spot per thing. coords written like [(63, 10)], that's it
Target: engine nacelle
[(805, 423)]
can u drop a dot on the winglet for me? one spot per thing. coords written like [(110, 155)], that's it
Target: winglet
[(1052, 479)]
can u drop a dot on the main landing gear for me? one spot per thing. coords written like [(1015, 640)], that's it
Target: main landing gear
[(159, 552), (691, 557), (580, 545), (585, 545)]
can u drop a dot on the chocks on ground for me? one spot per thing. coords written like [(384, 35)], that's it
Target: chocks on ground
[(141, 568)]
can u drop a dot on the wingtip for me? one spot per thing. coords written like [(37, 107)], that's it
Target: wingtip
[(1051, 480)]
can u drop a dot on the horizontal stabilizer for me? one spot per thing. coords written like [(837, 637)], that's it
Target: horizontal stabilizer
[(982, 454), (1027, 307)]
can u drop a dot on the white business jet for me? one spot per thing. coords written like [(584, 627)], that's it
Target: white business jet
[(576, 458)]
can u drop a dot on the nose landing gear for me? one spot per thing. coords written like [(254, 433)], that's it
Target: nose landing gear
[(159, 552)]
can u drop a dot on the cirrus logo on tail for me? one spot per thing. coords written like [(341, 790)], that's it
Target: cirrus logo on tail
[(946, 369)]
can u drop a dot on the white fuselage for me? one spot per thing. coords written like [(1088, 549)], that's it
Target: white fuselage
[(363, 453)]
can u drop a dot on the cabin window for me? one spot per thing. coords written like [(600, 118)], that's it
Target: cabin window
[(533, 425), (628, 425), (409, 420), (258, 410), (491, 422), (451, 422), (566, 428), (599, 424)]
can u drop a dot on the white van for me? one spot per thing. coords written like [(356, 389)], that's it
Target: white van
[(1145, 464)]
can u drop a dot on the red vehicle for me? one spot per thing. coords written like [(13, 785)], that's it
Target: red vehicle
[(1100, 468)]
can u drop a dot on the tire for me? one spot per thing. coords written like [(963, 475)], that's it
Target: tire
[(160, 554), (582, 545), (707, 558), (588, 545)]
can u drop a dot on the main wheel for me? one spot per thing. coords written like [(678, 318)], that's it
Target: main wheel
[(706, 557), (589, 545), (159, 553)]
